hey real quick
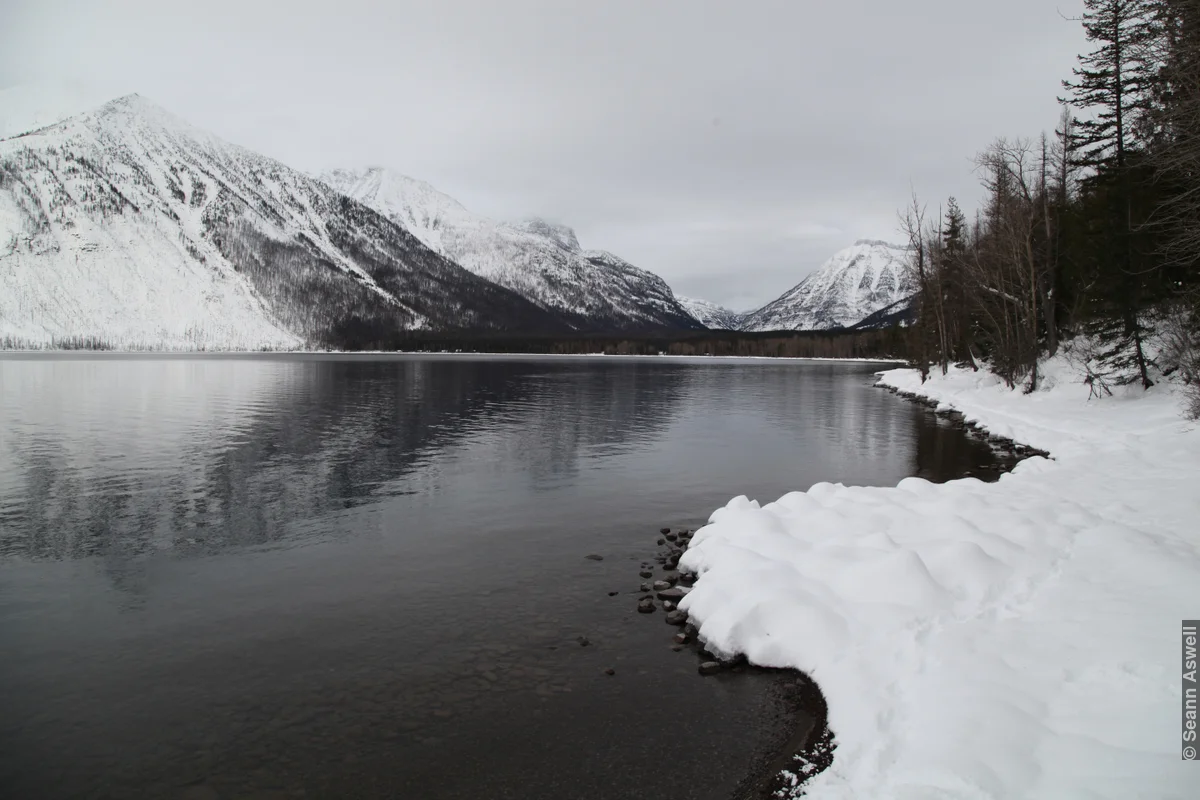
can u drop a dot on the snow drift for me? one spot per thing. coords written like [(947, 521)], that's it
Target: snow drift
[(1016, 639)]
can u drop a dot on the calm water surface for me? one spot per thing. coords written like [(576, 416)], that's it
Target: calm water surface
[(364, 576)]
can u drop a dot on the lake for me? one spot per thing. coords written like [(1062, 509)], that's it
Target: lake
[(365, 576)]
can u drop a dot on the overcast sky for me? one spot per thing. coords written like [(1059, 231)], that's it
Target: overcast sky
[(730, 147)]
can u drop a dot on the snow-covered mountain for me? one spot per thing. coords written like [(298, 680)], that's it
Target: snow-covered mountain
[(851, 286), (712, 315), (129, 225), (540, 260)]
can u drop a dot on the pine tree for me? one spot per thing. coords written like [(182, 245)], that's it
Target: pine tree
[(1115, 84), (954, 267)]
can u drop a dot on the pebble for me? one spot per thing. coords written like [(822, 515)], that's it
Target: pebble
[(613, 594), (662, 541), (674, 594), (677, 618), (710, 668), (645, 587), (682, 638), (583, 641), (668, 605), (664, 531), (646, 606), (610, 671), (646, 573), (594, 557), (661, 586)]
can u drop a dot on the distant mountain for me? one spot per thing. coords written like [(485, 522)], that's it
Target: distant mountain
[(540, 260), (126, 224), (851, 286), (712, 315)]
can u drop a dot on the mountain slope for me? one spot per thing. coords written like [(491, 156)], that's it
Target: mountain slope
[(129, 225), (712, 315), (851, 286), (540, 260)]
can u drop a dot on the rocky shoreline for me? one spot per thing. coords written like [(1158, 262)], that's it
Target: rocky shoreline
[(1008, 450), (809, 748)]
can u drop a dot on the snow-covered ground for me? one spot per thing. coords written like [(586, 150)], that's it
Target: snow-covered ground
[(1015, 639)]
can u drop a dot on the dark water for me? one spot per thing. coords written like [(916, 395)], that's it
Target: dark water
[(364, 577)]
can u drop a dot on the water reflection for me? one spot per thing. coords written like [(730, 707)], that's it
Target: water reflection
[(334, 577), (129, 456)]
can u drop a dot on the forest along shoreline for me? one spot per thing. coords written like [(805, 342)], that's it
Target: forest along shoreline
[(809, 749)]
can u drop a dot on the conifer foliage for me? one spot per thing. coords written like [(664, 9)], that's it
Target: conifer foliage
[(1092, 229)]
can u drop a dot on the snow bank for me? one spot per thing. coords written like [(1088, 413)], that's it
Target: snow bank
[(1015, 639)]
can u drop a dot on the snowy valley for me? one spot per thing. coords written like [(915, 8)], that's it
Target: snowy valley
[(127, 227), (863, 286)]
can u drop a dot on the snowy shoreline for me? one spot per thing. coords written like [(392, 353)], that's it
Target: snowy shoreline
[(1012, 639)]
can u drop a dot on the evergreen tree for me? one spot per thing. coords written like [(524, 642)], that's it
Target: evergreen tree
[(954, 269), (1115, 84)]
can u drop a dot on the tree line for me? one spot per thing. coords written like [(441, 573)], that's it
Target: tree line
[(1091, 229), (886, 343)]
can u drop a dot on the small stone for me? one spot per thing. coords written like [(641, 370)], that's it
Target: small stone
[(613, 594), (674, 594), (610, 671), (583, 641), (681, 638), (664, 531), (645, 606), (594, 557), (660, 586), (668, 605), (672, 537), (645, 587), (646, 574), (662, 541), (677, 618), (710, 668)]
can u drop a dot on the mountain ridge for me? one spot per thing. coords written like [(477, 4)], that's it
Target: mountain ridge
[(540, 260), (128, 224), (853, 284)]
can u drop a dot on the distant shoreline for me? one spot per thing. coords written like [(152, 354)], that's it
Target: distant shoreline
[(66, 353)]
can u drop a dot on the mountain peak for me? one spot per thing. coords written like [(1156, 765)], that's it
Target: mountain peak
[(852, 285), (138, 109), (877, 243), (562, 235), (711, 315)]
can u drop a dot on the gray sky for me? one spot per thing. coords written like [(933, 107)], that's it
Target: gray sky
[(730, 147)]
